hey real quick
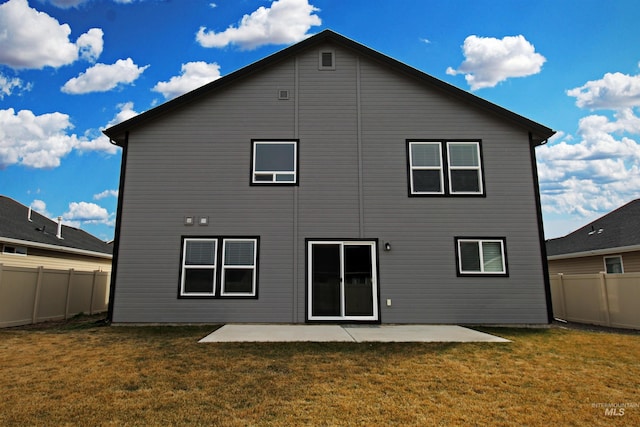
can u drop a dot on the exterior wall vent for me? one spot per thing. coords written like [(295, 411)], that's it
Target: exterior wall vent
[(327, 60), (283, 94)]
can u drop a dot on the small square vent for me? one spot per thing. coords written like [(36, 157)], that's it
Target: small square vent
[(283, 94)]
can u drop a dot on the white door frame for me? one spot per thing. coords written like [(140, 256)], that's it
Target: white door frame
[(374, 279)]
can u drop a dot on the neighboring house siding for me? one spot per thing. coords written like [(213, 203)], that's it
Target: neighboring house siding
[(352, 124), (55, 260), (594, 264)]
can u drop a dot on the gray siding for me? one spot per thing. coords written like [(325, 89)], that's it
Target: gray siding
[(352, 124)]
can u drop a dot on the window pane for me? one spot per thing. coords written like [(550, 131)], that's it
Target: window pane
[(492, 257), (425, 154), (426, 181), (238, 281), (238, 253), (327, 59), (285, 177), (200, 252), (469, 256), (614, 265), (266, 177), (275, 157), (465, 181), (463, 155), (198, 280)]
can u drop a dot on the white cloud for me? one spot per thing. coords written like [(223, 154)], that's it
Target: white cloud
[(9, 84), (489, 61), (598, 173), (286, 21), (40, 207), (42, 141), (103, 77), (34, 141), (614, 91), (33, 39), (105, 194), (86, 213), (90, 44), (126, 112), (66, 4), (192, 76)]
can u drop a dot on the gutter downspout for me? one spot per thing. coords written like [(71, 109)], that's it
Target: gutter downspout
[(116, 237), (543, 245)]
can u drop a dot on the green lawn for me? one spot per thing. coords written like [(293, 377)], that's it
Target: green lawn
[(84, 374)]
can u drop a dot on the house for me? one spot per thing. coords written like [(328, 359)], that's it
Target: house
[(29, 239), (329, 183), (610, 244)]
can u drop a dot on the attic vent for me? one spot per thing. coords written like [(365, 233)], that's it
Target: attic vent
[(327, 60), (283, 94)]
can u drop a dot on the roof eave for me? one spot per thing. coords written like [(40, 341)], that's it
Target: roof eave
[(57, 248), (594, 252)]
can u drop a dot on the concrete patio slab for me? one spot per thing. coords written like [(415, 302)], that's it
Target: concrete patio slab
[(347, 333)]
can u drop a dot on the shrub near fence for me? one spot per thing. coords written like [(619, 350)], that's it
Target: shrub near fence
[(599, 299), (31, 295)]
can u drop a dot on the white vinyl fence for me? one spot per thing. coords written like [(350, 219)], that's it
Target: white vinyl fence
[(32, 295), (599, 299)]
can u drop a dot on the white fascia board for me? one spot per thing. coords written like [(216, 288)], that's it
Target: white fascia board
[(66, 249), (596, 252)]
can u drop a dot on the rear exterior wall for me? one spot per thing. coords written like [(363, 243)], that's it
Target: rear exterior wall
[(352, 124)]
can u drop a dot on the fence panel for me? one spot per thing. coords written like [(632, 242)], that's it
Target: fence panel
[(599, 299), (30, 295)]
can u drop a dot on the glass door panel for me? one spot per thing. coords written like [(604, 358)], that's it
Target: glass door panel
[(358, 280), (326, 277)]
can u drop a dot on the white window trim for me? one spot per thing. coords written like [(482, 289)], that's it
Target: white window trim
[(333, 60), (275, 174), (412, 167), (481, 254), (22, 249), (604, 260), (476, 168), (198, 267), (238, 267)]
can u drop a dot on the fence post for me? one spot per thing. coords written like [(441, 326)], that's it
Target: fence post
[(36, 298), (605, 298), (562, 295), (93, 289), (69, 283)]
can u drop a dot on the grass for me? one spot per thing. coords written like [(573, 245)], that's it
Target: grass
[(85, 374)]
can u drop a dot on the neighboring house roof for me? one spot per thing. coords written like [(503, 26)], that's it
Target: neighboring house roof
[(15, 228), (539, 133), (618, 230)]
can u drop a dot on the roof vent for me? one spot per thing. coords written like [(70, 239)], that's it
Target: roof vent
[(29, 214), (59, 233)]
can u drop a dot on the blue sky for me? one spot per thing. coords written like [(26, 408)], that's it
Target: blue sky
[(69, 68)]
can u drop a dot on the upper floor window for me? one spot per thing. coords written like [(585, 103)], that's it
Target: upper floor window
[(445, 168), (274, 162), (16, 250), (326, 60), (613, 264)]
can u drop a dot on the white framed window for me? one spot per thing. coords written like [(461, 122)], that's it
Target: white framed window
[(14, 250), (239, 267), (465, 172), (425, 164), (326, 60), (274, 162), (481, 256), (613, 264), (199, 259), (440, 167), (219, 267)]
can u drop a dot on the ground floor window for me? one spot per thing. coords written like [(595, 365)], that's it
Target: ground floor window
[(481, 256), (219, 267)]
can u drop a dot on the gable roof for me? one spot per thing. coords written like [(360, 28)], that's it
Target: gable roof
[(619, 229), (15, 228), (539, 133)]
